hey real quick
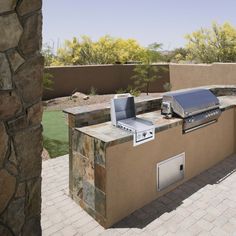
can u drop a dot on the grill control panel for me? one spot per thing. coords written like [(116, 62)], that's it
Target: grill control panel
[(139, 136), (142, 136), (201, 118)]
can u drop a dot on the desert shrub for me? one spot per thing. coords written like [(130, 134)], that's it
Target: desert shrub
[(93, 91), (167, 86), (47, 81)]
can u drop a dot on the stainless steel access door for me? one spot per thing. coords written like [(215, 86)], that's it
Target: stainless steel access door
[(170, 171)]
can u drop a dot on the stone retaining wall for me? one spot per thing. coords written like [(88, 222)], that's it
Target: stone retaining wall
[(20, 117)]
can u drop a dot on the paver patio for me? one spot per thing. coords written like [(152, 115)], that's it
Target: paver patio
[(205, 205)]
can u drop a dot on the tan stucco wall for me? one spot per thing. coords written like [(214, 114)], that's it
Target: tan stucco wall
[(189, 76), (104, 78), (110, 78), (131, 172)]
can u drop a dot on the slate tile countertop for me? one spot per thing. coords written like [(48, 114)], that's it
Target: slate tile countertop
[(111, 135)]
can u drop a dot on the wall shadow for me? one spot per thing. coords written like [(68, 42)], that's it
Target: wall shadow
[(170, 201)]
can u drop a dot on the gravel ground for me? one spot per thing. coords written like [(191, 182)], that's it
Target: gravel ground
[(79, 100)]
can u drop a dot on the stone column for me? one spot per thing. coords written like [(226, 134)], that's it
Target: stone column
[(21, 66)]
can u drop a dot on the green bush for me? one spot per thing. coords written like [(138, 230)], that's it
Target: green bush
[(47, 81)]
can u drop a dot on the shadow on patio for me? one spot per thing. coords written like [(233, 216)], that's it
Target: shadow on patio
[(205, 204), (185, 194)]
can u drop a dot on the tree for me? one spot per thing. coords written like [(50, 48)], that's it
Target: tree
[(176, 55), (48, 54), (68, 54), (217, 44), (144, 75), (179, 54), (107, 50), (153, 53)]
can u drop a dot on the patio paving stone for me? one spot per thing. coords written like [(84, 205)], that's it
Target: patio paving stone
[(205, 205)]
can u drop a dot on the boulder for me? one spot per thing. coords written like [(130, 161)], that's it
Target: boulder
[(86, 97)]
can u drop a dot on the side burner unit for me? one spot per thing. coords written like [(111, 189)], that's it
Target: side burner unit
[(197, 107), (123, 116)]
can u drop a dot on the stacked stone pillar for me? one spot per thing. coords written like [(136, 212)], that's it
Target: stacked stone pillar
[(21, 68)]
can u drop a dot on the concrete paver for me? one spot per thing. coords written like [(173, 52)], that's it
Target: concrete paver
[(205, 205)]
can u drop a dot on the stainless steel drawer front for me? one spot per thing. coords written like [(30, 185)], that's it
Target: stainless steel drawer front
[(170, 171)]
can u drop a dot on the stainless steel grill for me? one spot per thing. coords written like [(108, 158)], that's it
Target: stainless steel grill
[(197, 107), (123, 116)]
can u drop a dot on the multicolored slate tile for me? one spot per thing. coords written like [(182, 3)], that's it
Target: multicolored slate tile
[(100, 177)]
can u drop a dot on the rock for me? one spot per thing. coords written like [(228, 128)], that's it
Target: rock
[(20, 192), (5, 231), (5, 73), (32, 227), (17, 124), (33, 117), (12, 157), (28, 146), (27, 6), (86, 97), (12, 30), (28, 80), (34, 114), (3, 143), (33, 202), (11, 168), (45, 155), (15, 216), (10, 105), (8, 184), (76, 95), (7, 5), (15, 59), (31, 40), (51, 101)]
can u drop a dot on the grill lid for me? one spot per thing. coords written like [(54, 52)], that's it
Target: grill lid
[(122, 107), (191, 102), (123, 116)]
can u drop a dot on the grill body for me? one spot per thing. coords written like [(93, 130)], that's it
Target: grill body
[(197, 107)]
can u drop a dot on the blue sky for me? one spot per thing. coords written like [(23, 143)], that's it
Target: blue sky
[(148, 21)]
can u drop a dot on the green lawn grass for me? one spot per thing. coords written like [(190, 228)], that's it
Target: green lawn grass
[(55, 133)]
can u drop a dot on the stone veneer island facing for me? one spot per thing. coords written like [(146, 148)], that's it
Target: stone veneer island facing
[(109, 178)]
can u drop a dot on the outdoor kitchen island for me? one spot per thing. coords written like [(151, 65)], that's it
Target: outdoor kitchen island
[(110, 178)]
